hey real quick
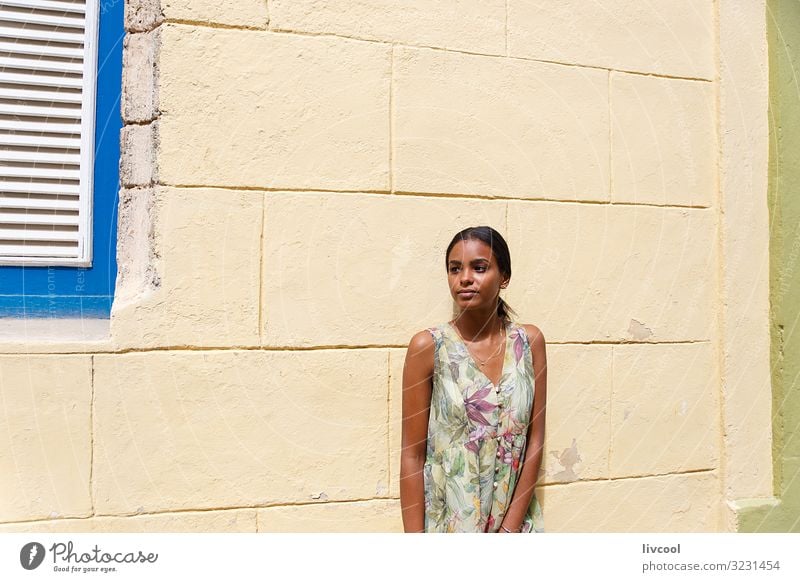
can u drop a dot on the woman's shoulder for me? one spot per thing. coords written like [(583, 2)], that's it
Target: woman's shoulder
[(534, 334), (425, 338), (430, 337), (421, 350)]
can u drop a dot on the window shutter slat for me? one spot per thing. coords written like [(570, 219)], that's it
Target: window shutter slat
[(41, 64), (40, 203), (46, 218), (41, 156), (19, 30), (39, 94), (46, 233), (32, 47), (13, 139), (42, 79), (41, 125), (22, 187), (38, 250), (54, 5), (40, 110), (26, 16), (13, 171)]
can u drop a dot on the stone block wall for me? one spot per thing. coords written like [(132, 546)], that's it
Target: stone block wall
[(292, 171)]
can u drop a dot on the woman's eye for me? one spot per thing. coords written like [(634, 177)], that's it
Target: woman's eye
[(478, 268)]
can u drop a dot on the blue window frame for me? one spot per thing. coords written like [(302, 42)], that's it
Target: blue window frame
[(83, 292)]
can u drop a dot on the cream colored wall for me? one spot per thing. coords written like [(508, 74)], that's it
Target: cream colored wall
[(292, 173)]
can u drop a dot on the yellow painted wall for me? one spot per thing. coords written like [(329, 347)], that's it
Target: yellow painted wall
[(292, 173)]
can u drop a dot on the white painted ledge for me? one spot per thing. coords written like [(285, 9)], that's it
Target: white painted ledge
[(48, 335)]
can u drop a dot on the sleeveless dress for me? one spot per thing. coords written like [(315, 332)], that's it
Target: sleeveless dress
[(477, 435)]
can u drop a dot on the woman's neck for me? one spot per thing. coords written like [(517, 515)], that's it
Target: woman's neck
[(476, 327)]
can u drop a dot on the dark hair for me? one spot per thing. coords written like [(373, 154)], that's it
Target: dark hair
[(495, 241)]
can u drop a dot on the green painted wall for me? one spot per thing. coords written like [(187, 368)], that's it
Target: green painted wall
[(783, 21)]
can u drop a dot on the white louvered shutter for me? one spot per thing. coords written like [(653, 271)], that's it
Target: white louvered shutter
[(48, 64)]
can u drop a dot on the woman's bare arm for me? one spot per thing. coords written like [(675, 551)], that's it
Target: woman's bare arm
[(417, 386), (523, 492)]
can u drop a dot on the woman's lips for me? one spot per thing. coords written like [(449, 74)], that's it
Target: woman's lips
[(467, 294)]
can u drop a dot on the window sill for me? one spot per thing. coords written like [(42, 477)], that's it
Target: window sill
[(48, 336)]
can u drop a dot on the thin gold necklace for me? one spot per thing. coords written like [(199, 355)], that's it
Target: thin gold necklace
[(481, 363)]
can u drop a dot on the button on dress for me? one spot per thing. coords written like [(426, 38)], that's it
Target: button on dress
[(477, 435)]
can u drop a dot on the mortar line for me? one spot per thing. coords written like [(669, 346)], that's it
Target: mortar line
[(141, 123), (335, 502), (610, 144), (201, 510), (505, 31), (182, 22), (155, 25), (631, 477), (185, 348), (720, 271), (389, 420), (391, 121), (216, 25), (457, 196), (610, 416), (261, 272), (388, 346)]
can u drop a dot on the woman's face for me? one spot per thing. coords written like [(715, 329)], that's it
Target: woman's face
[(473, 275)]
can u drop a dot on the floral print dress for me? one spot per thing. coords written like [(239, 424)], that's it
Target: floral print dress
[(477, 436)]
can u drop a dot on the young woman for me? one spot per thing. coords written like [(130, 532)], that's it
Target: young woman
[(473, 412)]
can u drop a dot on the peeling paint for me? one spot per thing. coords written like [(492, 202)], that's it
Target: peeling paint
[(567, 458), (639, 331)]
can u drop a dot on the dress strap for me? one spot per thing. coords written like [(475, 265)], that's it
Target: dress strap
[(523, 334), (526, 345), (436, 331)]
